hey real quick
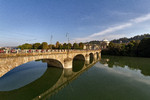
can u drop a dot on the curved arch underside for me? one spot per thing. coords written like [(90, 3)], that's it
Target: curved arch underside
[(78, 63), (91, 57), (53, 63)]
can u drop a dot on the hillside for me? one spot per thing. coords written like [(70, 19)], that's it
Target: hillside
[(126, 40)]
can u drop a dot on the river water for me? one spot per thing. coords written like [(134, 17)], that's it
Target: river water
[(111, 78)]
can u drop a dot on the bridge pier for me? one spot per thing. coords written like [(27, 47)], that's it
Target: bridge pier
[(68, 72), (95, 56), (68, 63), (87, 59), (99, 54), (55, 58)]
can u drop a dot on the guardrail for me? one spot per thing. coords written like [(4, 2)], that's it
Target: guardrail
[(39, 51)]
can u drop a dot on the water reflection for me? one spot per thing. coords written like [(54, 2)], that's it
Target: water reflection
[(22, 75), (133, 63), (29, 91), (38, 79)]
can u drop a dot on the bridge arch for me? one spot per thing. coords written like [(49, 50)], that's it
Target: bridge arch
[(53, 63), (91, 57), (78, 62), (61, 58)]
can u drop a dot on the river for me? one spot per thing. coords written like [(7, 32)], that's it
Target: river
[(110, 78)]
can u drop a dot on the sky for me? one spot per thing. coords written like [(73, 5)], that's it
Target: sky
[(31, 21)]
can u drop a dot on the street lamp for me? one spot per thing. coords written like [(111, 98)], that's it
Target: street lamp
[(51, 42), (67, 35)]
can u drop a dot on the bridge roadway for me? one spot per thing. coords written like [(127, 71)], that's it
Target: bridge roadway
[(61, 59)]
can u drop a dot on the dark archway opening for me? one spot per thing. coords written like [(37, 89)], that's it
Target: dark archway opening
[(91, 57), (53, 63), (97, 55), (78, 63)]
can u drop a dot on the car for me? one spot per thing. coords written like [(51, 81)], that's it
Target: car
[(2, 51), (13, 51)]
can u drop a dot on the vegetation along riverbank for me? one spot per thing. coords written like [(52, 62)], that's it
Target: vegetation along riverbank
[(139, 47)]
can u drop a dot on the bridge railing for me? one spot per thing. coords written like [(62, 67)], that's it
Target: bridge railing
[(16, 51)]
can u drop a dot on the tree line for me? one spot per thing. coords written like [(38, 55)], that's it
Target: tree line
[(139, 48), (58, 45)]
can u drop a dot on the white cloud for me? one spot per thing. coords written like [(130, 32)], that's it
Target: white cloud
[(115, 28), (112, 36), (111, 29), (141, 19)]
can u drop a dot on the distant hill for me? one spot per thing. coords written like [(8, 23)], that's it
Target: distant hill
[(93, 42), (123, 40), (126, 40)]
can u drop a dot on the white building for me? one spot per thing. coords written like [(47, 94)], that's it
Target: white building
[(104, 43), (91, 46)]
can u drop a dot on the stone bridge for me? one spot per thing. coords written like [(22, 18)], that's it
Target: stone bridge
[(45, 86), (60, 59)]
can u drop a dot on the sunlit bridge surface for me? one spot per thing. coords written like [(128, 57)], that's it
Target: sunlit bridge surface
[(108, 78)]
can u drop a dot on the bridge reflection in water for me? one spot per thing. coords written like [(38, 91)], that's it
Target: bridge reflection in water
[(50, 82)]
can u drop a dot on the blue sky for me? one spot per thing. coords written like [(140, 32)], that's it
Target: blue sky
[(30, 21)]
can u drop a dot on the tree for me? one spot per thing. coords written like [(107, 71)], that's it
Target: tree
[(69, 45), (44, 45), (36, 45), (50, 46), (57, 44), (144, 48), (64, 46), (25, 46), (60, 46), (132, 47), (81, 45), (53, 47), (75, 46)]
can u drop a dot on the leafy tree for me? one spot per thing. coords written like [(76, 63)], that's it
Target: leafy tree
[(53, 47), (50, 46), (57, 44), (44, 45), (75, 46), (60, 46), (69, 45), (81, 45), (36, 46), (122, 49), (25, 46), (144, 48), (65, 46)]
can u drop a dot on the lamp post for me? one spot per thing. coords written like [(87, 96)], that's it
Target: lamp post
[(67, 35), (51, 42)]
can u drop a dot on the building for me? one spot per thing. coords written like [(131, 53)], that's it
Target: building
[(97, 45), (91, 46), (104, 43)]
